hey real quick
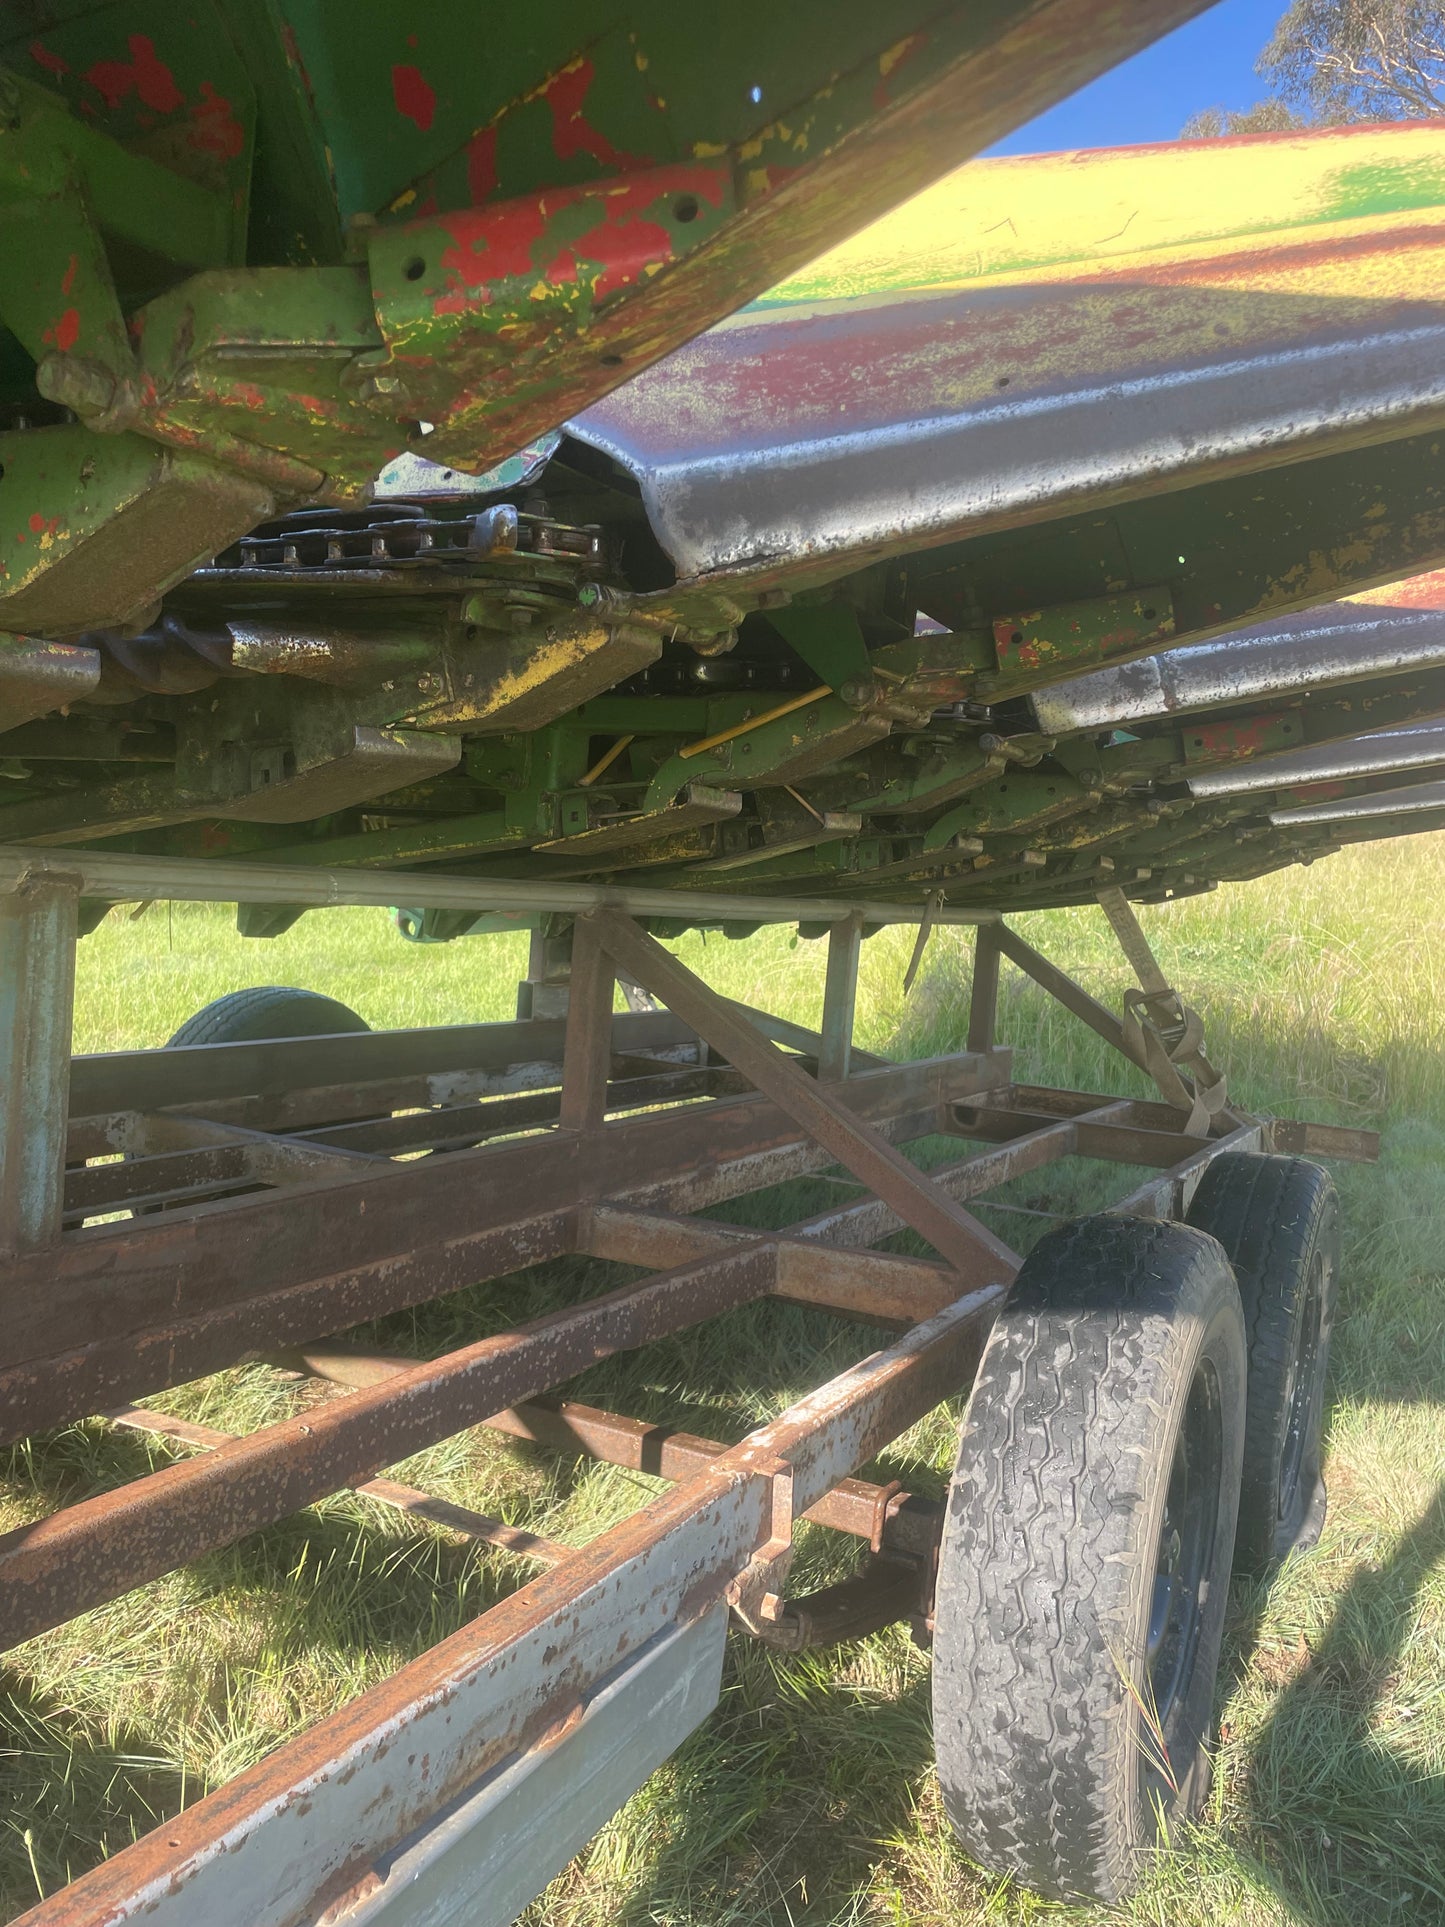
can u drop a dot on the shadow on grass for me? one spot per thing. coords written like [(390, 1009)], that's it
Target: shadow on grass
[(60, 1802), (1349, 1830), (779, 1808)]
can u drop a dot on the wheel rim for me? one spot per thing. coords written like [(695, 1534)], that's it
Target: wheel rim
[(1185, 1553), (1302, 1388)]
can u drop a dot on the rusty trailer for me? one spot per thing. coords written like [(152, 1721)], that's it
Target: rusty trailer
[(268, 1195)]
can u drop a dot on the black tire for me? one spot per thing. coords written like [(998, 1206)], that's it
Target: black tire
[(1278, 1220), (268, 1010), (1081, 1569)]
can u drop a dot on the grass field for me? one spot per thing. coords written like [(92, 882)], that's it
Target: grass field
[(809, 1797)]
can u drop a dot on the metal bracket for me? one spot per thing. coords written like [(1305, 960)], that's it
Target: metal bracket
[(755, 1595)]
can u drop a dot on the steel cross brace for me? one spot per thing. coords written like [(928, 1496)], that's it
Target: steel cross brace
[(1200, 1104), (607, 940)]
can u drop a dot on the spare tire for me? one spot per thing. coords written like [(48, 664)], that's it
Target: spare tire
[(266, 1011)]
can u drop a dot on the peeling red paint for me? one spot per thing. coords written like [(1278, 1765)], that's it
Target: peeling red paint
[(414, 95), (506, 241), (147, 76), (1304, 793), (37, 523), (489, 247), (51, 62), (64, 331), (1236, 741), (482, 165), (67, 280), (214, 126), (624, 248), (572, 133)]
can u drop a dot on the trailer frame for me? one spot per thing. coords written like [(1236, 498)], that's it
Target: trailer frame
[(276, 1198)]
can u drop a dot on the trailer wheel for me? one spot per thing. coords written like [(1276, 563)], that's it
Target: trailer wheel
[(1278, 1220), (267, 1010), (1085, 1559)]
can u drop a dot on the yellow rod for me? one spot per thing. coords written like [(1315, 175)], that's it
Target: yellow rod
[(605, 762), (756, 722)]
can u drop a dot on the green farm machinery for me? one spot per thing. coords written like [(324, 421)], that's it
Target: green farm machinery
[(513, 473)]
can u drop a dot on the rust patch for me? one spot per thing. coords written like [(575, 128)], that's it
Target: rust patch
[(572, 133)]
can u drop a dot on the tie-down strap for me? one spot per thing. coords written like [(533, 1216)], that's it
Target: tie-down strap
[(1159, 1031)]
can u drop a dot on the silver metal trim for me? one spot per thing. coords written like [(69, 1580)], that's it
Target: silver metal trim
[(1417, 747), (1410, 801), (131, 879), (1341, 643)]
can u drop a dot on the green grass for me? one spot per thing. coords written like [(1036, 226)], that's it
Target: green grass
[(809, 1796)]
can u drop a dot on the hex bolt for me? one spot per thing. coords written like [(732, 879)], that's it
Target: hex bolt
[(859, 692), (76, 382), (103, 400), (387, 390)]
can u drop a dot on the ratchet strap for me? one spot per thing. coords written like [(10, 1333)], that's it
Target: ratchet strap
[(1160, 1033)]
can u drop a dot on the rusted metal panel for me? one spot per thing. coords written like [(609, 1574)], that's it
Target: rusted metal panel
[(1346, 1141), (983, 989), (588, 1054), (1168, 1196), (460, 1126)]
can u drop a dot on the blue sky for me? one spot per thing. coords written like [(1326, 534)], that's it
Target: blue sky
[(1208, 63)]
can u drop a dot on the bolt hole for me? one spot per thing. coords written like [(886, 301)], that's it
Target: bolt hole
[(1016, 636), (415, 268), (1004, 380), (610, 361), (1149, 614), (686, 208)]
